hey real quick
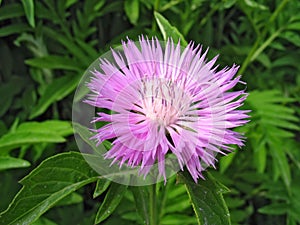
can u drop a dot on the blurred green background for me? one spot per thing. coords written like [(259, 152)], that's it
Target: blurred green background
[(46, 45)]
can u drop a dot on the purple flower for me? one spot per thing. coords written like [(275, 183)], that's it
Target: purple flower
[(166, 100)]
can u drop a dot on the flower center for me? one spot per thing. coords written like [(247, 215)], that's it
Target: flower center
[(162, 101), (161, 111)]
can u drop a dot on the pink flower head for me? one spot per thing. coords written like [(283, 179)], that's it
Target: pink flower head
[(166, 100)]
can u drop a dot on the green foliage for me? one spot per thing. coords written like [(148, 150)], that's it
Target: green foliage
[(207, 199), (168, 30), (272, 124), (29, 11), (47, 185), (35, 133), (171, 204), (7, 162), (111, 201), (132, 10), (47, 45)]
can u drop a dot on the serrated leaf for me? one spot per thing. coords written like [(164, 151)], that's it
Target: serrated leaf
[(207, 200), (56, 91), (132, 10), (111, 201), (29, 11), (33, 133), (169, 31), (7, 162), (54, 179), (141, 198)]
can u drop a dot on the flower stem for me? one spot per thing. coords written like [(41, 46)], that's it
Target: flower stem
[(153, 205)]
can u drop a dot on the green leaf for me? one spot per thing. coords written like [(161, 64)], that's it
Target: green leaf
[(13, 29), (255, 5), (84, 59), (274, 209), (207, 199), (111, 201), (35, 133), (226, 161), (7, 162), (260, 158), (70, 3), (70, 199), (168, 30), (11, 11), (178, 204), (51, 181), (60, 127), (294, 26), (44, 221), (29, 11), (101, 186), (54, 62), (132, 10), (141, 198), (174, 219), (281, 162), (57, 90)]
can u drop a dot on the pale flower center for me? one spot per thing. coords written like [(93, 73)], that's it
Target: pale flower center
[(162, 101), (161, 111)]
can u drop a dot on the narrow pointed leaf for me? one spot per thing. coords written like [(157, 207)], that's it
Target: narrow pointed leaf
[(7, 162), (34, 133), (168, 30), (132, 10), (141, 198), (29, 11), (101, 186), (111, 201), (56, 91)]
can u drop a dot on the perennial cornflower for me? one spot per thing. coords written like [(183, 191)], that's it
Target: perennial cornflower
[(162, 100)]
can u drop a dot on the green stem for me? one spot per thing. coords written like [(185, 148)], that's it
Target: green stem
[(153, 205), (208, 15), (155, 9), (163, 201), (156, 5), (257, 48), (264, 45)]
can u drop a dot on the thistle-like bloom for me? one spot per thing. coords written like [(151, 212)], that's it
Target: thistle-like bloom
[(166, 100)]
